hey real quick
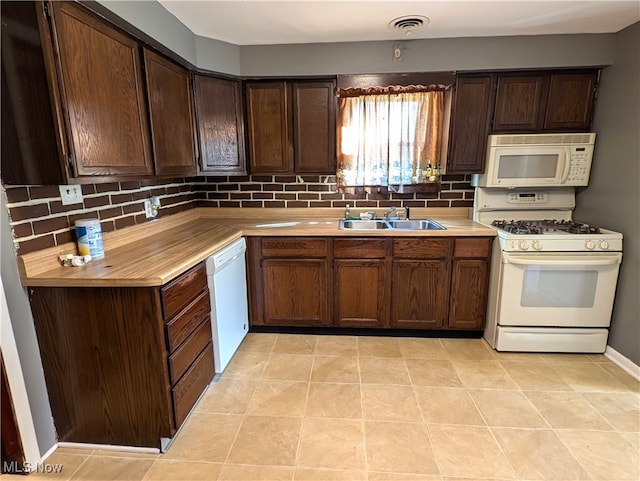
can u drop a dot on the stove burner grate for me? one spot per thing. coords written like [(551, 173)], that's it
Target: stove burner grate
[(531, 227)]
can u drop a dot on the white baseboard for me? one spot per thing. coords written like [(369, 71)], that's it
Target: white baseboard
[(626, 364), (108, 447)]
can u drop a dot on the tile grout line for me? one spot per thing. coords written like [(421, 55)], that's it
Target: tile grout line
[(304, 416), (245, 414), (363, 422), (425, 424)]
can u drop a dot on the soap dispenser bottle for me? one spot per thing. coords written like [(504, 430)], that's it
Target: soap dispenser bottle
[(347, 212)]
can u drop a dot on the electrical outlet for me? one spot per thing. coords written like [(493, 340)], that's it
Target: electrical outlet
[(148, 209), (70, 194)]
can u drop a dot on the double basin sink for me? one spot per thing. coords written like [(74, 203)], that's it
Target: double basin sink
[(377, 224)]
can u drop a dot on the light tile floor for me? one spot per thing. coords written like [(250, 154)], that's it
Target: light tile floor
[(304, 407)]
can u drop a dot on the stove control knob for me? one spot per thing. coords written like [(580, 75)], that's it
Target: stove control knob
[(604, 245), (589, 245), (536, 245), (523, 245)]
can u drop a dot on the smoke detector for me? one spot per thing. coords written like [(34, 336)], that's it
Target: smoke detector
[(409, 23)]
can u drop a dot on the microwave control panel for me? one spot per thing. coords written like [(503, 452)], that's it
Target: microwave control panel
[(579, 165)]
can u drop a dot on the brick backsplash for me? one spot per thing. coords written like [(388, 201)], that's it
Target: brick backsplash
[(39, 220), (322, 191)]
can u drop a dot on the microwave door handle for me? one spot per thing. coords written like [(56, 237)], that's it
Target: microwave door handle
[(555, 261), (566, 164)]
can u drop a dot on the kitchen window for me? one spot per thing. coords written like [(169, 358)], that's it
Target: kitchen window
[(391, 136)]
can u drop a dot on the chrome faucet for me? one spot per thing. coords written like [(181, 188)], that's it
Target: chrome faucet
[(391, 210)]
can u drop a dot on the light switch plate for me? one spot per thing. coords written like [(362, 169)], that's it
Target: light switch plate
[(71, 194)]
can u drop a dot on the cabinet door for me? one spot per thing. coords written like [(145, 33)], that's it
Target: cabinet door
[(220, 126), (571, 100), (31, 147), (171, 115), (470, 124), (519, 103), (295, 292), (360, 292), (419, 294), (269, 131), (469, 284), (103, 93), (314, 127)]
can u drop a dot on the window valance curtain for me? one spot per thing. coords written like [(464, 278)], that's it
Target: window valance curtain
[(389, 135)]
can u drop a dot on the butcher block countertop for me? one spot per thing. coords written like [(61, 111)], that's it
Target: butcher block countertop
[(154, 253)]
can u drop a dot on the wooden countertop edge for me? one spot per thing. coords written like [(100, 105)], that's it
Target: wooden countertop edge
[(202, 234)]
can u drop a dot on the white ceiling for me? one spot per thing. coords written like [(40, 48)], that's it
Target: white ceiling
[(263, 22)]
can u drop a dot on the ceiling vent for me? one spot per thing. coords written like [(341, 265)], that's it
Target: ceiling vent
[(409, 23)]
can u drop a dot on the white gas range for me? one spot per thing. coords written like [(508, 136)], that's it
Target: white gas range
[(553, 280)]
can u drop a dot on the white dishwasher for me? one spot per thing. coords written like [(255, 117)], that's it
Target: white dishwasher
[(227, 278)]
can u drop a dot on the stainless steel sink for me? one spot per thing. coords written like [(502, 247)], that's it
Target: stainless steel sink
[(377, 224), (426, 224), (363, 224)]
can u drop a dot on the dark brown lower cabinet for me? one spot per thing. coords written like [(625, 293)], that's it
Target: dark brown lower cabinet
[(361, 274), (419, 294), (360, 292), (294, 292), (374, 282), (469, 283), (124, 365), (289, 281)]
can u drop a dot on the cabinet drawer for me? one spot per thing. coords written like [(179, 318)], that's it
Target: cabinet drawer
[(472, 247), (360, 248), (181, 326), (294, 247), (421, 248), (177, 293), (184, 356), (190, 387)]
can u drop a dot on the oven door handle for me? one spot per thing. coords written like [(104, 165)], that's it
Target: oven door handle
[(539, 260)]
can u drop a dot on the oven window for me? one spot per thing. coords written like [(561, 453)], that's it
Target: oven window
[(541, 166), (558, 288)]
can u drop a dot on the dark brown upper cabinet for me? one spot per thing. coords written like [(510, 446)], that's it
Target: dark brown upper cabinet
[(268, 118), (171, 114), (220, 126), (545, 101), (519, 105), (470, 120), (103, 92), (314, 127), (32, 145), (515, 102), (291, 126), (571, 101)]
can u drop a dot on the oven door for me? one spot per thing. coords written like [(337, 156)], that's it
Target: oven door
[(558, 289)]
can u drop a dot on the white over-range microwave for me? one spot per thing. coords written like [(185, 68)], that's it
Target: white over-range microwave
[(537, 160)]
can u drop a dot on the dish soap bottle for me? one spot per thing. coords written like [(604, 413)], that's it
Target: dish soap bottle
[(347, 212)]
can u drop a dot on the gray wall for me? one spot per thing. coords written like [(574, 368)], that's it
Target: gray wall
[(154, 20), (428, 55), (612, 199), (25, 336), (217, 56)]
